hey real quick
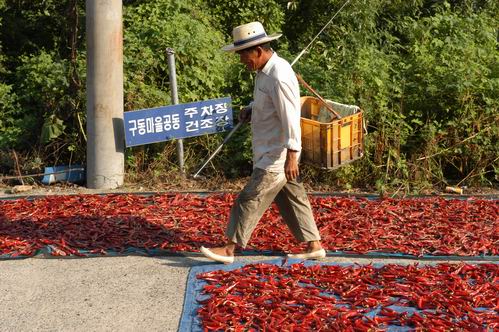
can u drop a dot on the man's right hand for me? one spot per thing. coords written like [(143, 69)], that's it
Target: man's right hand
[(245, 114)]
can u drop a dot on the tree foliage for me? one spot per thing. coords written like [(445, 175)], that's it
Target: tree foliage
[(424, 72), (426, 76)]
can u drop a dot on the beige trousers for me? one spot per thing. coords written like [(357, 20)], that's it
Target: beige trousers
[(262, 189)]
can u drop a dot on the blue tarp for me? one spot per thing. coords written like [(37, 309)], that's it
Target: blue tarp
[(189, 321)]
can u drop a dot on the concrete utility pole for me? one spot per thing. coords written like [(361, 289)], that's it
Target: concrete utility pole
[(106, 144)]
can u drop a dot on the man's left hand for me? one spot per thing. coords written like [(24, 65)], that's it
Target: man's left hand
[(291, 166)]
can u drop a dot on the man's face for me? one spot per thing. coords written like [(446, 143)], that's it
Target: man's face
[(250, 58)]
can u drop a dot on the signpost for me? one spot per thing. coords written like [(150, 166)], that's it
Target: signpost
[(177, 121)]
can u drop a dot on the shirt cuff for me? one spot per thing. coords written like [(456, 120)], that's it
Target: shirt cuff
[(293, 145)]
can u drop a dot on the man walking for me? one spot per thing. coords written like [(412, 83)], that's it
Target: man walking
[(276, 142)]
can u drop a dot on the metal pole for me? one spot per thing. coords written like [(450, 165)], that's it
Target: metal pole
[(105, 144), (174, 93), (318, 34), (218, 149)]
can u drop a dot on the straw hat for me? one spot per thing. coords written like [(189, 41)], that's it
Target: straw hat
[(248, 35)]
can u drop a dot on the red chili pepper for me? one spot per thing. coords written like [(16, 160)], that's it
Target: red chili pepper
[(184, 222)]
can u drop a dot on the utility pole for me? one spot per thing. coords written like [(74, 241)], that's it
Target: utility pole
[(105, 144)]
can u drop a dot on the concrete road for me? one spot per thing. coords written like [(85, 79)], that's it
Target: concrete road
[(129, 293)]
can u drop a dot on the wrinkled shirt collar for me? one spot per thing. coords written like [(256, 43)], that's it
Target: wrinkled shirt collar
[(268, 66)]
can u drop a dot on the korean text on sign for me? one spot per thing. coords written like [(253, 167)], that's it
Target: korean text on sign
[(178, 121)]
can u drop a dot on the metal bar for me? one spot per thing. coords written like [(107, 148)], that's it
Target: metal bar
[(323, 28), (174, 93), (218, 149)]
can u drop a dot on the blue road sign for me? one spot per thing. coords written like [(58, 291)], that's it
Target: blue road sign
[(161, 124)]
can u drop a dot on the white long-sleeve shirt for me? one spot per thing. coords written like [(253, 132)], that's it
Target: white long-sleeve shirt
[(275, 116)]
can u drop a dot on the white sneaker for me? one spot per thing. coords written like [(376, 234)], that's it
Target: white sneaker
[(215, 257), (318, 254)]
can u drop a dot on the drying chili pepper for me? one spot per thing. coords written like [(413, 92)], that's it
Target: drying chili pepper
[(184, 222), (304, 298)]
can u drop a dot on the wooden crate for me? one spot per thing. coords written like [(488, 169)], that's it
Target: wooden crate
[(332, 144)]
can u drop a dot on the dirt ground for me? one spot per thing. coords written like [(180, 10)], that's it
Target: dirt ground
[(188, 185), (200, 185)]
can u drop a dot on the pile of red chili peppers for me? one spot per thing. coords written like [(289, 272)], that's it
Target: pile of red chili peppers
[(267, 297), (94, 224)]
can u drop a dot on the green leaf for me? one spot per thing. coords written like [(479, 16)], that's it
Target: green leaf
[(52, 128)]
